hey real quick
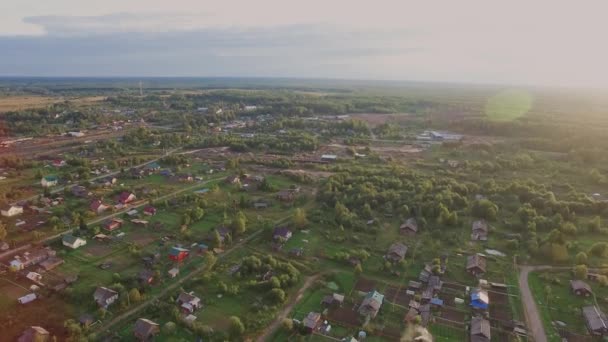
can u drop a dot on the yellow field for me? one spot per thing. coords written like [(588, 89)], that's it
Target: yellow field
[(11, 103)]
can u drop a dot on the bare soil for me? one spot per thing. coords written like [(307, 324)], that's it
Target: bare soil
[(365, 285)]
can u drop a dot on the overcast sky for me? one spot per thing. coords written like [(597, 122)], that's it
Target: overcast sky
[(545, 42)]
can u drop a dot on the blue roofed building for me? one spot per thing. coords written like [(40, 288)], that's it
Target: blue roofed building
[(479, 299)]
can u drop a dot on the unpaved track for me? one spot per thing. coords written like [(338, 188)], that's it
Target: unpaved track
[(534, 323), (287, 309)]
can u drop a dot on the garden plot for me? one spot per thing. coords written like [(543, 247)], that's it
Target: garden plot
[(365, 285), (345, 316), (398, 296)]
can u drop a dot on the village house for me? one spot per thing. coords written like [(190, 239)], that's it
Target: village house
[(28, 298), (145, 329), (174, 272), (371, 304), (435, 283), (98, 207), (396, 252), (296, 252), (31, 257), (188, 302), (152, 167), (105, 297), (286, 196), (146, 276), (35, 334), (79, 191), (59, 163), (480, 329), (425, 273), (409, 227), (126, 197), (149, 210), (596, 320), (329, 157), (185, 178), (480, 299), (51, 263), (11, 210), (234, 179), (49, 181), (580, 288), (479, 231), (260, 205), (333, 300), (178, 254), (113, 224), (311, 321), (223, 232), (281, 234), (72, 241), (107, 182), (476, 264), (137, 173)]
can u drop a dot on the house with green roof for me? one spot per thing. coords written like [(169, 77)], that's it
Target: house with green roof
[(49, 181), (72, 241), (371, 304)]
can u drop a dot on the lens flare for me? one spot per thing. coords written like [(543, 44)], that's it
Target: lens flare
[(509, 105)]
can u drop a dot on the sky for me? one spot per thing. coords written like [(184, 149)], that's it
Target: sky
[(531, 42)]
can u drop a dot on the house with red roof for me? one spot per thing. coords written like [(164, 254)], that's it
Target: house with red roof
[(150, 210), (59, 163), (126, 197), (113, 224), (178, 254), (98, 207)]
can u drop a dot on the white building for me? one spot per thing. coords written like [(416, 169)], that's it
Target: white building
[(49, 181), (11, 210), (72, 241)]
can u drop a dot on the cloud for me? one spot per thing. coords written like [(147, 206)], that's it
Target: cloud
[(468, 41), (297, 50), (117, 23)]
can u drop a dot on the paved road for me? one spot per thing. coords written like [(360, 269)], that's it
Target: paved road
[(287, 309)]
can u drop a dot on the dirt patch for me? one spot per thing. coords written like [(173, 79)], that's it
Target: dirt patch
[(398, 296), (344, 316), (98, 249), (454, 287), (501, 312), (11, 290), (453, 314), (140, 240), (498, 298), (365, 285)]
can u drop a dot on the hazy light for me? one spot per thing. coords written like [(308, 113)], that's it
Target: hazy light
[(509, 105)]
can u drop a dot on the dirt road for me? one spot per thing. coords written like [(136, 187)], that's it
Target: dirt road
[(287, 309), (533, 320), (534, 323), (106, 326), (118, 319)]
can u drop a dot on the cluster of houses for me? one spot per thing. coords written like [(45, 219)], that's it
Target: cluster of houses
[(595, 319), (32, 264), (145, 329)]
